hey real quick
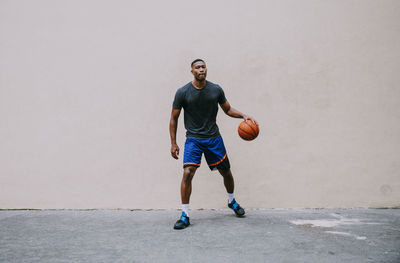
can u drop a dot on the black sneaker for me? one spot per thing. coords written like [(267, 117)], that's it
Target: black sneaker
[(183, 222), (239, 211)]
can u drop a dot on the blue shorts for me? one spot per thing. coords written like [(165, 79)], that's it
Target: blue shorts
[(213, 149)]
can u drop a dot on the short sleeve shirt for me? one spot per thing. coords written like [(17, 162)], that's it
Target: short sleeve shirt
[(200, 109)]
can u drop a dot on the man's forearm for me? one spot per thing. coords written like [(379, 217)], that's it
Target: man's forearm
[(173, 125), (232, 112)]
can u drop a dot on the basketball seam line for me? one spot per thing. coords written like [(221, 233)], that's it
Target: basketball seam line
[(246, 132), (255, 133)]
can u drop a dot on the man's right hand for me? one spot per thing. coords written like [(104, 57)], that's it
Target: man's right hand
[(175, 151)]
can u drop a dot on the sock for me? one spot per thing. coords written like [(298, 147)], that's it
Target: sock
[(231, 196), (185, 208)]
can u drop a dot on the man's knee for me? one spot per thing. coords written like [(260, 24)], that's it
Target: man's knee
[(225, 172), (188, 173)]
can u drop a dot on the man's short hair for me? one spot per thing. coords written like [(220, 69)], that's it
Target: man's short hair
[(196, 60)]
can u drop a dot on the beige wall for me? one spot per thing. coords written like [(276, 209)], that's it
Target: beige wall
[(86, 89)]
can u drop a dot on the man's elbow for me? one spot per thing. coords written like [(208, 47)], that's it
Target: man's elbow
[(174, 119), (227, 110)]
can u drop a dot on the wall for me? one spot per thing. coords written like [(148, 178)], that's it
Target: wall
[(86, 89)]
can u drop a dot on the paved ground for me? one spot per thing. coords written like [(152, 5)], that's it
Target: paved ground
[(322, 235)]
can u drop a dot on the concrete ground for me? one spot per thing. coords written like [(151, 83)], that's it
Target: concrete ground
[(307, 235)]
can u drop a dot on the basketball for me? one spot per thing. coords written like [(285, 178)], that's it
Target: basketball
[(248, 130)]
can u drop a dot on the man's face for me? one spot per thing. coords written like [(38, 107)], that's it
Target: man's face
[(199, 70)]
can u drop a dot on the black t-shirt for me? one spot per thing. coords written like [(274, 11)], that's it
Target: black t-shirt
[(200, 109)]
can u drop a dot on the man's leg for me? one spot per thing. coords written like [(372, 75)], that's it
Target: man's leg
[(186, 184), (230, 186), (186, 190), (228, 180)]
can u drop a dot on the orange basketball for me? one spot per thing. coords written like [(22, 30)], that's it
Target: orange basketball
[(248, 130)]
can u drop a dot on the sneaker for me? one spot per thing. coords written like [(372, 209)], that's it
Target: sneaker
[(183, 222), (239, 211)]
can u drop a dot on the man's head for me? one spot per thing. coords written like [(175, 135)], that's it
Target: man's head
[(199, 69)]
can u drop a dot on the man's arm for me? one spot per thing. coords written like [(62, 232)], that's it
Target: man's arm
[(173, 125), (230, 111)]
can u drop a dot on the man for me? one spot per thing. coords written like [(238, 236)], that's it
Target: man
[(200, 99)]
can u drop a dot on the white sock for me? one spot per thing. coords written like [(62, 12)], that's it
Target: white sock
[(185, 208), (231, 197)]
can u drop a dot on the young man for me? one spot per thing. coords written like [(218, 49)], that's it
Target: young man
[(200, 99)]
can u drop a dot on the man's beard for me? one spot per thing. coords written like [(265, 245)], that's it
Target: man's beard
[(201, 79)]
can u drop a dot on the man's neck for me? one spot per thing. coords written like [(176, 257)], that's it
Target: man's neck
[(199, 84)]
